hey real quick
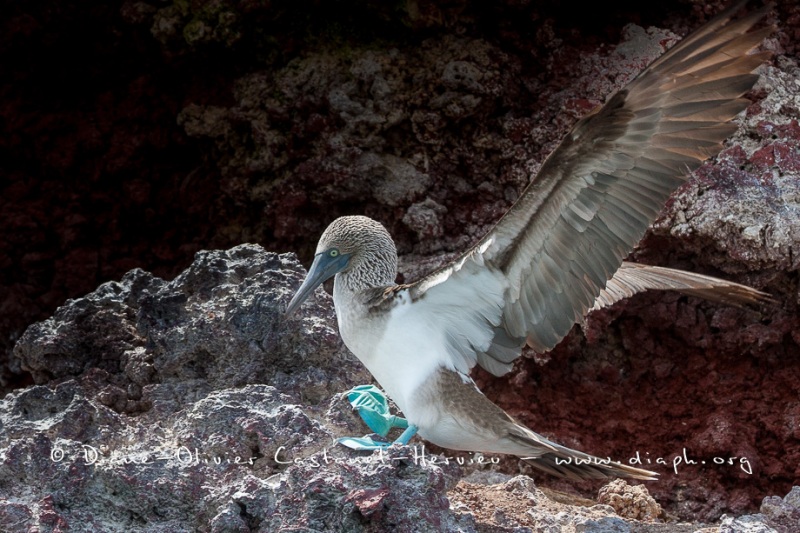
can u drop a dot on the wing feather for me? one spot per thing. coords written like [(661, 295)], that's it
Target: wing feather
[(594, 197), (633, 278)]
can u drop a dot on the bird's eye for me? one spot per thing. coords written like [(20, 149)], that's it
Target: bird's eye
[(333, 253)]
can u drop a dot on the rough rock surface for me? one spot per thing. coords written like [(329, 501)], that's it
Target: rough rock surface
[(192, 405), (144, 330), (630, 501), (779, 515), (136, 134)]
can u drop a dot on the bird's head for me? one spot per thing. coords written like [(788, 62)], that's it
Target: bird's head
[(352, 244)]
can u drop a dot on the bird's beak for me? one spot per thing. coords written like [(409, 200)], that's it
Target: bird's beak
[(322, 269)]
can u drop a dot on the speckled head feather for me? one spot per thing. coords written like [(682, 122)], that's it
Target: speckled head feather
[(374, 256)]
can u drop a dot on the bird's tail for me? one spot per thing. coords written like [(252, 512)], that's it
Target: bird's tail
[(561, 461)]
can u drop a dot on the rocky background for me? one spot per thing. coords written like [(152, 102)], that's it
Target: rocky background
[(135, 134)]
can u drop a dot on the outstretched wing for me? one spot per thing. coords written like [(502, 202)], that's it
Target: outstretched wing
[(595, 196)]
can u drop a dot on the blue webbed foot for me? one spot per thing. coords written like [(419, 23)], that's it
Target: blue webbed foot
[(373, 407)]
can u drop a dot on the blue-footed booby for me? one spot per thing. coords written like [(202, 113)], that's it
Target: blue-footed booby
[(553, 257)]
